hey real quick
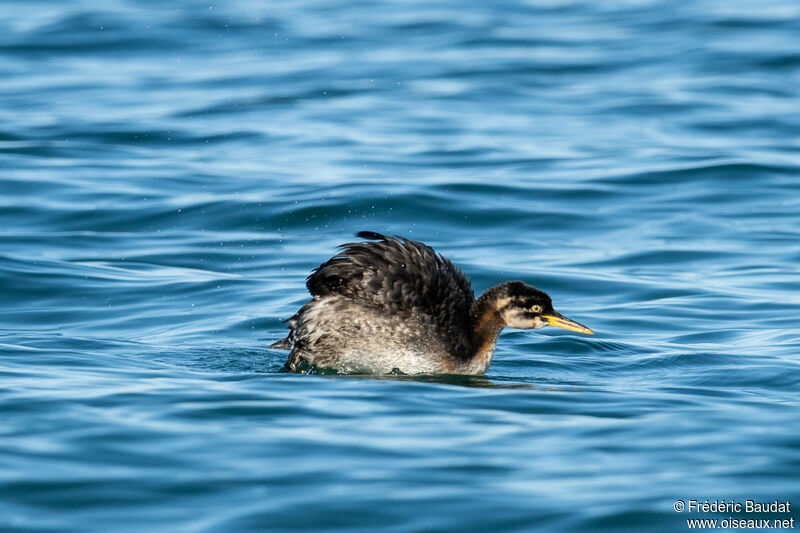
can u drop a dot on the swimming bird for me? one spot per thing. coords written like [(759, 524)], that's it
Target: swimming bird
[(392, 304)]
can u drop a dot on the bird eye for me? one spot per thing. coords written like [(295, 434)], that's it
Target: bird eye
[(536, 308)]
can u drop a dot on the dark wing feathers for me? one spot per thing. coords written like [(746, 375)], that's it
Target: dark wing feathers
[(398, 276), (370, 236)]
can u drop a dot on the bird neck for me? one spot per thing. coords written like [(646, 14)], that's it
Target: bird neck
[(486, 327)]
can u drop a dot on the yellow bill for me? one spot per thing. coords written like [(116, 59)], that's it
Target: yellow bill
[(560, 321)]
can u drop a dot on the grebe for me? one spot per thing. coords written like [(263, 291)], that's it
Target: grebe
[(395, 305)]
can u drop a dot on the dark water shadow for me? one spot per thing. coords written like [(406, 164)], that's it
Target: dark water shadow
[(442, 379), (259, 361)]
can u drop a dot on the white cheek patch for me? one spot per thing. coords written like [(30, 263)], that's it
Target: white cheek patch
[(508, 316), (516, 319)]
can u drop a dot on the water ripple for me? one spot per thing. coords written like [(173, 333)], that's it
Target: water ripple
[(172, 172)]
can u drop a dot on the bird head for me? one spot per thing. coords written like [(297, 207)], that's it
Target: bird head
[(524, 307)]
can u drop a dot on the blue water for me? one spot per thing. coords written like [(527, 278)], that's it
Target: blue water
[(171, 171)]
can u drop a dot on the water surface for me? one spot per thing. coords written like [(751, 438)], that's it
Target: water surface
[(171, 172)]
